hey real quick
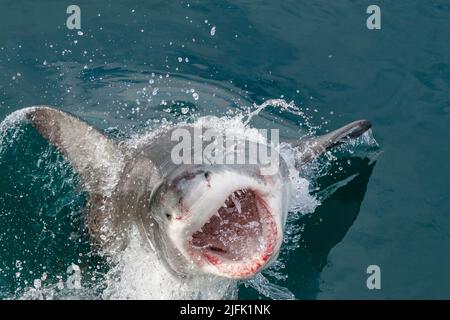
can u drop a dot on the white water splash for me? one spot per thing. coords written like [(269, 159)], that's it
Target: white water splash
[(139, 274), (11, 122), (301, 200), (269, 289)]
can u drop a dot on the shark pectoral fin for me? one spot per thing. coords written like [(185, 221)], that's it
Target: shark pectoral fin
[(313, 147), (96, 159)]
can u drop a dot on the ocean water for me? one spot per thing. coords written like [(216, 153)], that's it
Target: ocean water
[(135, 65)]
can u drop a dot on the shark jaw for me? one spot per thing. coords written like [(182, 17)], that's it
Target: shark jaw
[(228, 224), (239, 239)]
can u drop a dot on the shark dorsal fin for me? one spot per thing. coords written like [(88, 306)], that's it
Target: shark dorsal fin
[(94, 157)]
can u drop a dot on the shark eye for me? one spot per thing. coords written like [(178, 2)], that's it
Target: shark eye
[(168, 216)]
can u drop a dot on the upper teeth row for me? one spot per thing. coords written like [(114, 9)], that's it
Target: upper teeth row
[(240, 192)]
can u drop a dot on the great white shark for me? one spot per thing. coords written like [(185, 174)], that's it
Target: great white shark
[(200, 219)]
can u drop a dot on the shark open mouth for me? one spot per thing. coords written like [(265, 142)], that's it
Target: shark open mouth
[(240, 238)]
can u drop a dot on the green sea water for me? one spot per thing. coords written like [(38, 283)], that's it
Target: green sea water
[(206, 58)]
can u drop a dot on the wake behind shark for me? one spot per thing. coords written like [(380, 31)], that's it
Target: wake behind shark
[(219, 220)]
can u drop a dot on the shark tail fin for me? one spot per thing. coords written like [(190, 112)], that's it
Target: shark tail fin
[(313, 147)]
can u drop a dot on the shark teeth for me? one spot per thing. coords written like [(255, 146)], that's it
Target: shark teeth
[(236, 202)]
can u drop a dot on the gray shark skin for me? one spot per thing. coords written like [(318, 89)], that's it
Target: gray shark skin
[(223, 220)]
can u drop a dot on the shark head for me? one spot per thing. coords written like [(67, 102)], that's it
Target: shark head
[(222, 220)]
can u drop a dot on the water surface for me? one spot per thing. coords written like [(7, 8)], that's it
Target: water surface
[(318, 54)]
